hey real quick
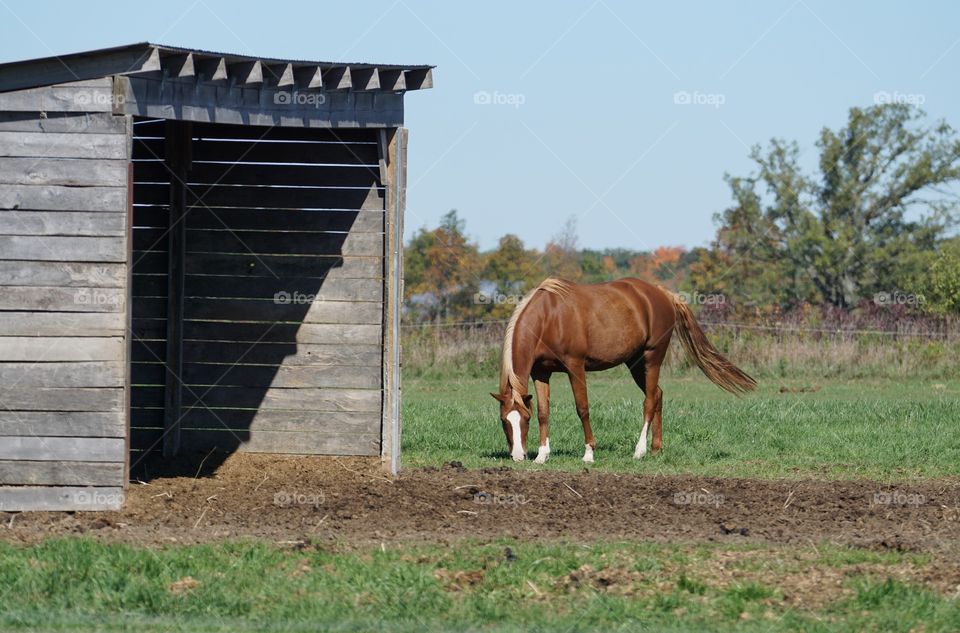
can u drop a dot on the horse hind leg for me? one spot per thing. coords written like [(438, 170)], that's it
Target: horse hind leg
[(647, 378)]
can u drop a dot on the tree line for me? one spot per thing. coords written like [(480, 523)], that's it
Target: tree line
[(873, 225)]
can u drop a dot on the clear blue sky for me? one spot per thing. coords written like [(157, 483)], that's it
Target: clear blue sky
[(587, 123)]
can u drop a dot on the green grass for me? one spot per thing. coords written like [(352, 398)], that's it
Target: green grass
[(79, 584), (872, 428)]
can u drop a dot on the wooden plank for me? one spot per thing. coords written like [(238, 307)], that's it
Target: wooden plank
[(284, 266), (277, 442), (178, 163), (60, 145), (63, 424), (62, 374), (52, 299), (287, 289), (73, 399), (85, 449), (306, 399), (199, 376), (51, 198), (242, 420), (266, 197), (265, 174), (344, 312), (63, 122), (280, 243), (56, 499), (88, 65), (74, 324), (60, 223), (87, 96), (327, 152), (250, 132), (239, 104), (311, 333), (70, 172), (274, 354), (61, 274), (60, 349), (395, 159), (285, 220), (60, 248), (30, 473)]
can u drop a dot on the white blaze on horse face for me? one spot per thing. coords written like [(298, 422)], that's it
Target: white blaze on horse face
[(543, 453), (642, 444), (588, 454), (517, 451)]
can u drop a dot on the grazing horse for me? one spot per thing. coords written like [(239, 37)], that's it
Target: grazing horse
[(561, 326)]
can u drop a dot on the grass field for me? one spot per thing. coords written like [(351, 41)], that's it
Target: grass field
[(880, 429), (871, 428), (75, 585)]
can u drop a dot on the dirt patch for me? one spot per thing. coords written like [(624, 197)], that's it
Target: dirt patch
[(349, 502)]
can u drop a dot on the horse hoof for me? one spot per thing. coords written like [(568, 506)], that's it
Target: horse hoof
[(519, 459), (540, 459), (588, 455)]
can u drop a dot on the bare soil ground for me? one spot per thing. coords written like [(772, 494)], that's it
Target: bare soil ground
[(350, 502)]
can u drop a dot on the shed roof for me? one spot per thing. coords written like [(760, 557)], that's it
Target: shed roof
[(145, 58)]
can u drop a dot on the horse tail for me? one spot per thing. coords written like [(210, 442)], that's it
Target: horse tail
[(711, 362)]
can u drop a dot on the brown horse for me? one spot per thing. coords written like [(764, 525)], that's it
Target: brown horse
[(572, 328)]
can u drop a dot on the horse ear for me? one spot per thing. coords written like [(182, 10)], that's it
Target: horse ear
[(497, 397), (527, 399)]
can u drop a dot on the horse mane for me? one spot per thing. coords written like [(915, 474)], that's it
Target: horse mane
[(508, 377)]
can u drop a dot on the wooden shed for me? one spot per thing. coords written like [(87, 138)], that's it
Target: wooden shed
[(198, 252)]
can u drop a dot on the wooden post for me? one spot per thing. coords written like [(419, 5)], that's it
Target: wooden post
[(177, 152), (393, 164)]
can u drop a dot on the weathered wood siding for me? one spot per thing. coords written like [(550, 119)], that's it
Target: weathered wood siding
[(63, 308), (283, 290)]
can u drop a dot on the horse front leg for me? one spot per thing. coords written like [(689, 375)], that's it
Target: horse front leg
[(541, 383), (578, 382)]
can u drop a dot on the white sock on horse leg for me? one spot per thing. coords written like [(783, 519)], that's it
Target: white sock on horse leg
[(588, 454), (543, 453), (642, 444)]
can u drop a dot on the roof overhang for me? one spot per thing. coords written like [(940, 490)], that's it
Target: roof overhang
[(155, 60)]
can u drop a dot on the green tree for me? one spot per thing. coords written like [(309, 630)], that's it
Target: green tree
[(513, 270), (846, 232), (939, 284), (441, 269)]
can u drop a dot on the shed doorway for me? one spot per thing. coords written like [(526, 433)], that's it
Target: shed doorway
[(257, 291)]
